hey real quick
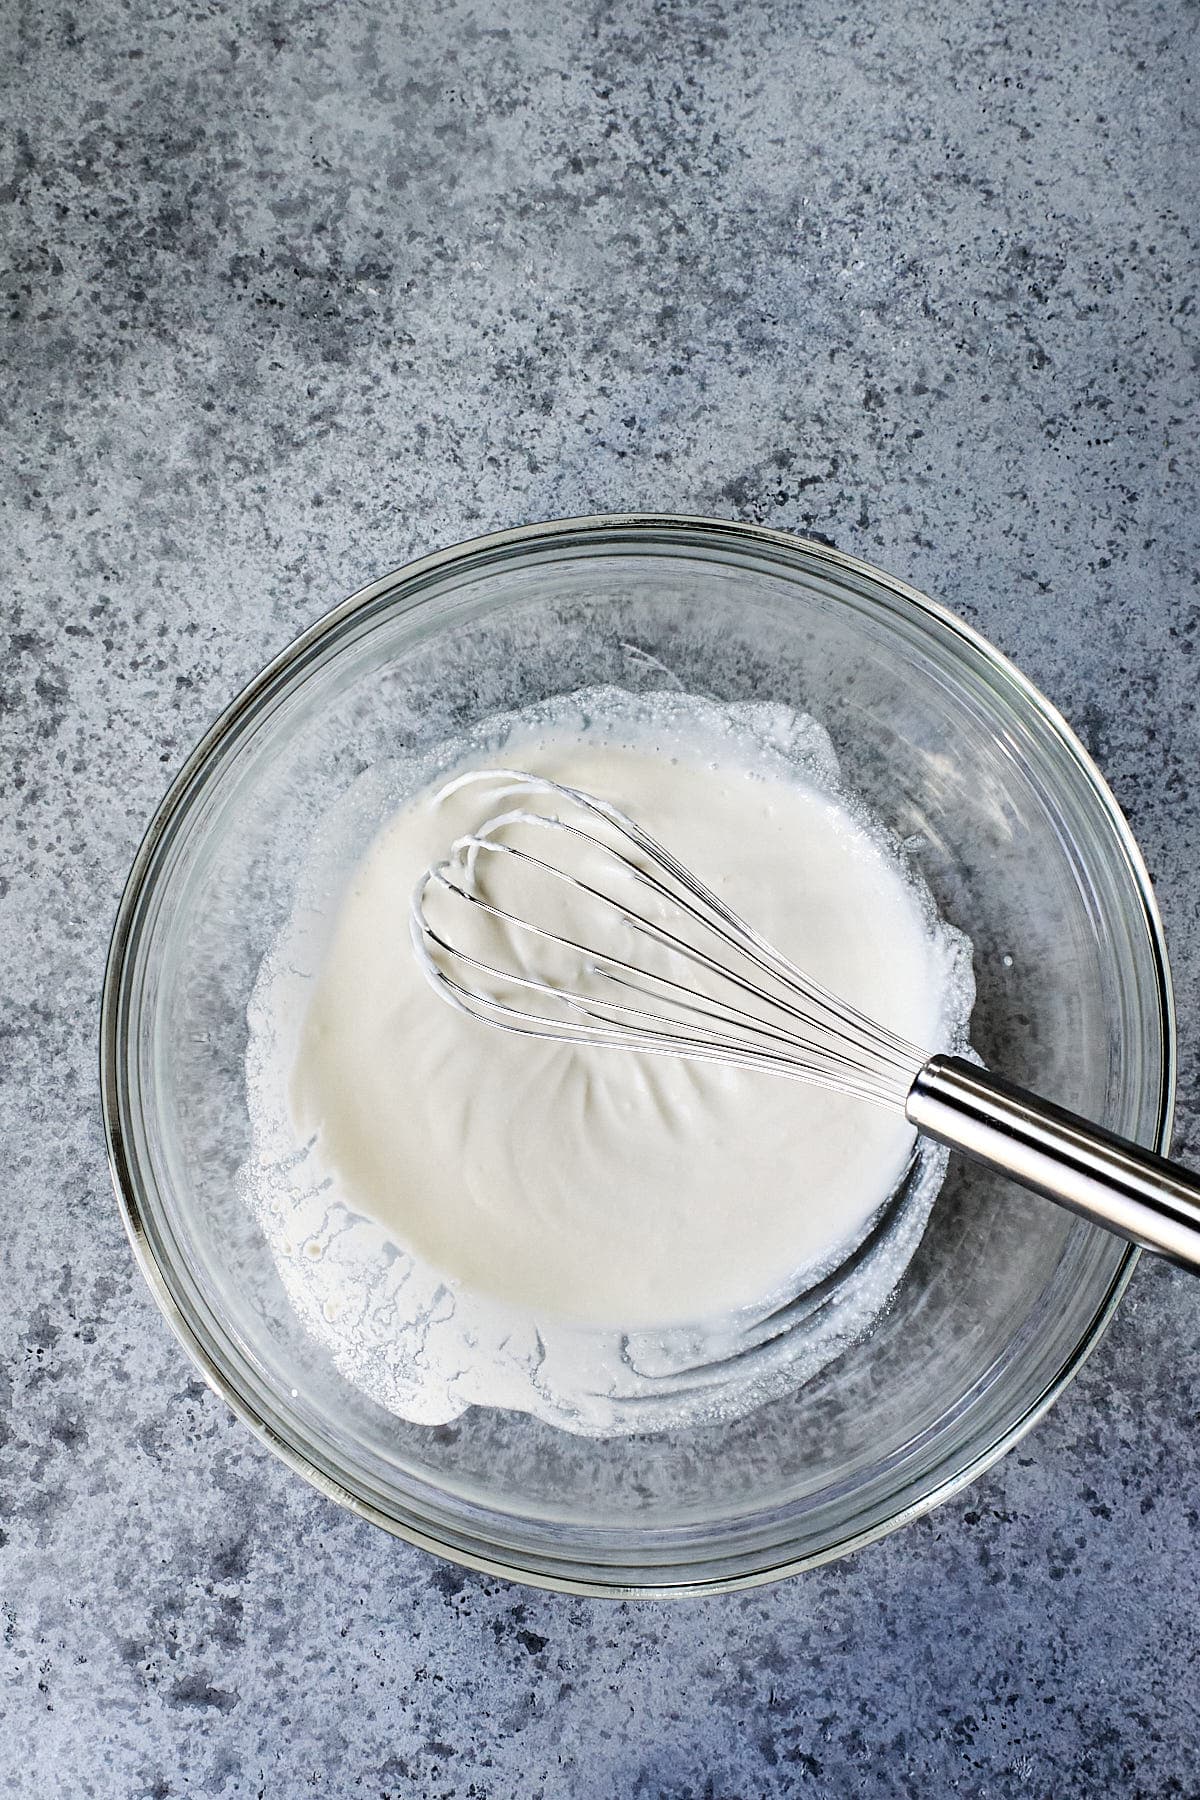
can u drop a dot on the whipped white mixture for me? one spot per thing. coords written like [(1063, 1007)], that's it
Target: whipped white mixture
[(606, 1239)]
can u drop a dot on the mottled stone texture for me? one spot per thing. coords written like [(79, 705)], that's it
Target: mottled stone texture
[(297, 290)]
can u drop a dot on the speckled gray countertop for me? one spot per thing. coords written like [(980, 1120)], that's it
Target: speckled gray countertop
[(297, 290)]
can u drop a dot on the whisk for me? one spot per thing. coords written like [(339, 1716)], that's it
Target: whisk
[(627, 949)]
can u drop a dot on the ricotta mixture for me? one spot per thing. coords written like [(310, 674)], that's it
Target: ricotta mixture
[(612, 1241)]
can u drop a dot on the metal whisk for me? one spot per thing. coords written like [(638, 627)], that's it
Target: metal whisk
[(574, 924)]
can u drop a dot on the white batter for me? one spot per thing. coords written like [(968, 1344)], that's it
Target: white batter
[(612, 1242), (609, 1187)]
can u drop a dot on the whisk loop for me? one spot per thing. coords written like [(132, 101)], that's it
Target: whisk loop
[(697, 981)]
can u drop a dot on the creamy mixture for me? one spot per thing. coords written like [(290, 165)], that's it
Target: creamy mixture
[(526, 1211)]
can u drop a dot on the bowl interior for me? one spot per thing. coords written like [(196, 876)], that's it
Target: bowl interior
[(1019, 843)]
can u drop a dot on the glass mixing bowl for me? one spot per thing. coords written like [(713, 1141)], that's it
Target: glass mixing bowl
[(1012, 828)]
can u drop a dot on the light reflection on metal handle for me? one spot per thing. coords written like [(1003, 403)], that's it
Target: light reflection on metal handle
[(1140, 1196)]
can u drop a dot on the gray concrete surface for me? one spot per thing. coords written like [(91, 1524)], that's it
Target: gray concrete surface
[(296, 290)]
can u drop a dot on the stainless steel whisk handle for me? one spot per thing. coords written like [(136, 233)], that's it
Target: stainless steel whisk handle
[(1138, 1195)]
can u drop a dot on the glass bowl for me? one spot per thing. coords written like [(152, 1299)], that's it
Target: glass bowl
[(1014, 831)]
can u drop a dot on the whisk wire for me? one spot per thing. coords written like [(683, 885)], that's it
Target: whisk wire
[(599, 1008), (729, 927), (603, 963), (807, 1032), (765, 953)]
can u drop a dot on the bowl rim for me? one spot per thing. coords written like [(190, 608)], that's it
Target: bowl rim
[(127, 1176)]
